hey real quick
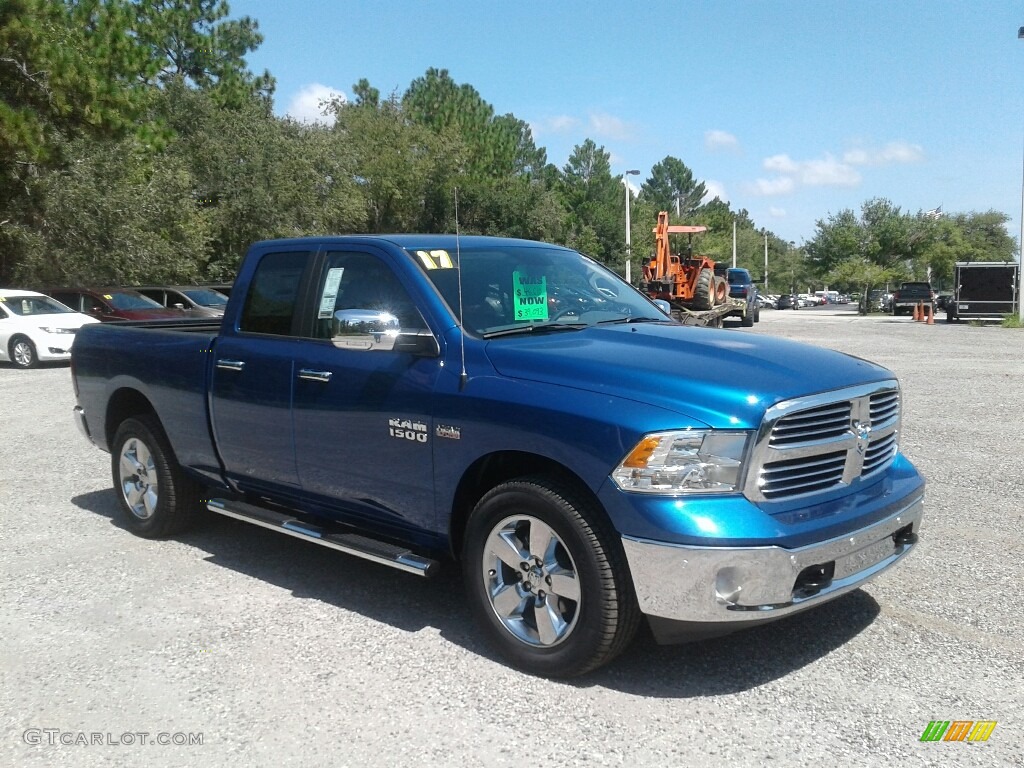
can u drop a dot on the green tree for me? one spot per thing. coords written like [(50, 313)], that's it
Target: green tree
[(118, 214), (193, 41), (496, 146), (594, 201), (67, 69), (671, 187), (397, 164), (258, 176), (864, 274)]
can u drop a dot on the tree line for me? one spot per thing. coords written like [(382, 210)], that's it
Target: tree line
[(136, 146)]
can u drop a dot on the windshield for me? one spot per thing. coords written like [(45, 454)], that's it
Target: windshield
[(738, 277), (506, 288), (27, 306), (123, 300), (206, 297)]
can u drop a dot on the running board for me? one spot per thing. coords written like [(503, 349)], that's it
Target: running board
[(351, 543)]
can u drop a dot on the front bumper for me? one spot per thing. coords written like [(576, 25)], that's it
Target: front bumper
[(715, 590)]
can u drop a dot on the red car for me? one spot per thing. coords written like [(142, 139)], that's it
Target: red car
[(111, 303)]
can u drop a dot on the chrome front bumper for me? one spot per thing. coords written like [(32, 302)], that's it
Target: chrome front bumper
[(722, 585)]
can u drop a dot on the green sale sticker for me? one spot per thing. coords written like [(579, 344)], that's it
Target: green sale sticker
[(531, 296)]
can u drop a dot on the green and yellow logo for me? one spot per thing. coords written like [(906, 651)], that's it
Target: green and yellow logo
[(958, 730)]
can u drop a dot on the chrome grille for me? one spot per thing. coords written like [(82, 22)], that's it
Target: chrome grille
[(884, 407), (879, 454), (813, 424), (796, 476), (822, 442)]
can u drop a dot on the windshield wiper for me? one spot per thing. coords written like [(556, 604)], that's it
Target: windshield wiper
[(631, 319), (535, 327)]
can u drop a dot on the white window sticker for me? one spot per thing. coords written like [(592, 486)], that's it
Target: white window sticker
[(330, 294)]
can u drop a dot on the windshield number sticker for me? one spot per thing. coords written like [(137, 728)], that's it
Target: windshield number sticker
[(531, 296), (435, 259), (107, 296)]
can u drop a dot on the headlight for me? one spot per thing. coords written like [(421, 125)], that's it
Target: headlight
[(691, 461), (58, 330)]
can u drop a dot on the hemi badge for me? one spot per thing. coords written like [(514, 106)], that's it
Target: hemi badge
[(452, 433)]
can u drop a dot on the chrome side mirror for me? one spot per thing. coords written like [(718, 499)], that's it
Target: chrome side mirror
[(373, 329)]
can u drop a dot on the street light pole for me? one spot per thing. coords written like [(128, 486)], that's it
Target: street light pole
[(629, 247), (1020, 258)]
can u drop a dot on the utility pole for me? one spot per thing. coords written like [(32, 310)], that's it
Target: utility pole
[(734, 243), (629, 246), (766, 261)]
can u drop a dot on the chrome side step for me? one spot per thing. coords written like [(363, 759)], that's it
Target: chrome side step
[(351, 543)]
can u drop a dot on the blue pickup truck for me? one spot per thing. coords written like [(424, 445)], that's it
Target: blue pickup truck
[(516, 408)]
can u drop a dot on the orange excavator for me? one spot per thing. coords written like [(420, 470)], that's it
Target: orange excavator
[(684, 280)]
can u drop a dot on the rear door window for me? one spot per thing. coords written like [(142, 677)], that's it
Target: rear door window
[(273, 301)]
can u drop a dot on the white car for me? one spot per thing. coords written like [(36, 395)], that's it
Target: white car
[(35, 328)]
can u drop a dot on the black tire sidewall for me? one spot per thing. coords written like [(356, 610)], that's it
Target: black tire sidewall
[(174, 492), (576, 653)]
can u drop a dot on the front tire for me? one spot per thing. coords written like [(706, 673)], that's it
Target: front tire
[(155, 497), (547, 579), (22, 352)]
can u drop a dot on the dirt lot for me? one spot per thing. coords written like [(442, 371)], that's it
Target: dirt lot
[(274, 652)]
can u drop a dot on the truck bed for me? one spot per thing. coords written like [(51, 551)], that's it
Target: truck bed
[(168, 363)]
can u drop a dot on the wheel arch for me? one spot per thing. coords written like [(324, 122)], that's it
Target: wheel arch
[(15, 337), (124, 404), (495, 468)]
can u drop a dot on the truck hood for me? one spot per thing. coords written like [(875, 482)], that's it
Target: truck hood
[(723, 378)]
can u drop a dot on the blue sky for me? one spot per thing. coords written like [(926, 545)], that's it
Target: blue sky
[(793, 109)]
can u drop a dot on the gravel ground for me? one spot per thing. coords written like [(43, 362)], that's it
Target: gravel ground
[(279, 653)]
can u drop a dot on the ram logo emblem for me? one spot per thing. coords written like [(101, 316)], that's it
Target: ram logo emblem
[(862, 432)]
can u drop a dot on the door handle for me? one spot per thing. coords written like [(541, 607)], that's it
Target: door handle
[(230, 365), (311, 375)]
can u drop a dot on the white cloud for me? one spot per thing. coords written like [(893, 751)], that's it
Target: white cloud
[(559, 124), (792, 174), (778, 213), (715, 189), (780, 185), (780, 164), (609, 126), (716, 140), (305, 105), (828, 172), (893, 153)]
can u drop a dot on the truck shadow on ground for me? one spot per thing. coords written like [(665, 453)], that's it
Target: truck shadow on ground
[(725, 665)]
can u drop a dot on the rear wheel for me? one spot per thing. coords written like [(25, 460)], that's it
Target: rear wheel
[(703, 291), (547, 578), (22, 352), (747, 321), (155, 496)]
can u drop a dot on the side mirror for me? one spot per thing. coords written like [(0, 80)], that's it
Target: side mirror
[(369, 330)]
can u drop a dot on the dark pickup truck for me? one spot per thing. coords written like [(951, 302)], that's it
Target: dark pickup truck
[(910, 295), (519, 409)]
